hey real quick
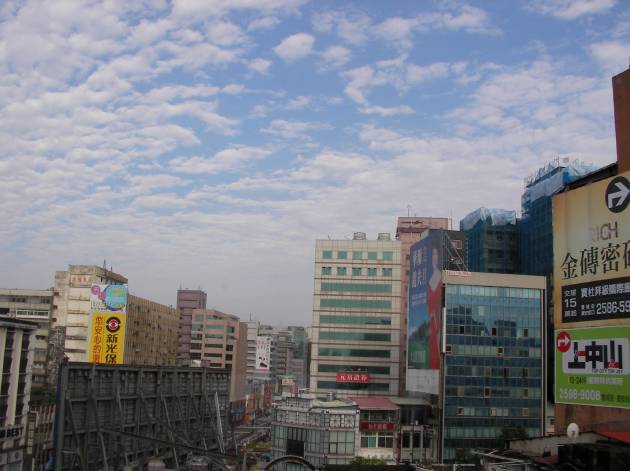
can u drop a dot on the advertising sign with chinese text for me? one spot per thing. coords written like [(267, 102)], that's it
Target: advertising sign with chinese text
[(107, 337), (593, 366), (377, 426), (105, 298), (591, 237), (263, 353), (425, 308), (361, 378)]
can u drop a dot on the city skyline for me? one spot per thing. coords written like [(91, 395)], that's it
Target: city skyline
[(192, 144)]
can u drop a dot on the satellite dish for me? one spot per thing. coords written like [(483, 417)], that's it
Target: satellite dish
[(573, 430)]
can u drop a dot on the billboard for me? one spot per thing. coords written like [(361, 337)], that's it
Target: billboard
[(360, 378), (593, 366), (263, 353), (591, 237), (425, 312), (108, 318)]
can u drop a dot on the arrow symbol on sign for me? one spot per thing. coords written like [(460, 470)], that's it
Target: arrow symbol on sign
[(563, 341), (620, 195)]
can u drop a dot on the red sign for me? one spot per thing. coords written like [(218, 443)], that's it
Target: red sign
[(363, 378), (563, 342), (381, 426)]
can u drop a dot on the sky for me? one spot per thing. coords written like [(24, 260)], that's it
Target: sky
[(209, 143)]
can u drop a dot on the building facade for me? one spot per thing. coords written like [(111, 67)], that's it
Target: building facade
[(17, 340), (321, 431), (491, 240), (71, 312), (379, 426), (408, 232), (36, 306), (152, 333), (187, 300), (219, 340), (356, 317), (492, 367)]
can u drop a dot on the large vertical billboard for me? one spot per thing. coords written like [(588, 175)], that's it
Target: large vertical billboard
[(425, 313), (108, 318), (591, 236), (263, 353)]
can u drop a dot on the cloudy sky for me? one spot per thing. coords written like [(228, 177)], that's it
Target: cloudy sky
[(210, 142)]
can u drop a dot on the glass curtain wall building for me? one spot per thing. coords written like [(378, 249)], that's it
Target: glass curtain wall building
[(356, 317), (493, 370)]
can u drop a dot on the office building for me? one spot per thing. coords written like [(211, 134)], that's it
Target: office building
[(356, 317), (408, 232), (152, 333), (32, 305), (219, 340), (69, 336), (323, 431), (491, 240), (187, 300), (379, 425), (17, 340), (492, 362)]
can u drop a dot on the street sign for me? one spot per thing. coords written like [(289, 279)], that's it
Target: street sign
[(618, 194)]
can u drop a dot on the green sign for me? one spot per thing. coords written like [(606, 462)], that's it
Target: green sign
[(593, 366)]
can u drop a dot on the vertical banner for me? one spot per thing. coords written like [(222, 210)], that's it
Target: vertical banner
[(425, 312), (591, 238), (108, 305), (263, 353)]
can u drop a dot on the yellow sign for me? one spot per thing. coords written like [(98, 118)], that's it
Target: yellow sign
[(591, 247), (107, 337)]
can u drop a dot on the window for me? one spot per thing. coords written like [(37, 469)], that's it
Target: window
[(352, 352), (494, 331), (525, 332), (357, 271), (357, 255), (342, 255), (352, 320), (371, 271), (525, 392), (371, 255), (348, 303), (195, 346), (387, 272), (486, 392), (342, 271), (500, 351), (525, 412), (525, 373), (460, 411), (389, 256), (326, 270), (375, 370), (369, 336), (327, 254), (457, 244), (357, 287)]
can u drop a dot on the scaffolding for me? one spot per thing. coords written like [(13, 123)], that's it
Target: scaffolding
[(112, 416)]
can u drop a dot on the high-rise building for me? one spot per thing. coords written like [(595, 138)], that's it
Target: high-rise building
[(17, 338), (71, 311), (491, 240), (32, 305), (187, 300), (252, 335), (152, 333), (219, 340), (408, 231), (356, 317)]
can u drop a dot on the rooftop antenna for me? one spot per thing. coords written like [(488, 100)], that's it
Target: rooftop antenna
[(104, 264), (408, 209)]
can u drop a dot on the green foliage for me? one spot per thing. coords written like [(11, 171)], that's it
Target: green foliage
[(42, 395)]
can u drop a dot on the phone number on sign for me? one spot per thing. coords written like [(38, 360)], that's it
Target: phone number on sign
[(613, 307), (582, 395)]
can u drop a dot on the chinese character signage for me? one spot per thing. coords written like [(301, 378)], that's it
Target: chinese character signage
[(108, 306), (263, 353), (593, 366), (376, 426), (425, 312), (107, 338), (351, 377), (591, 237)]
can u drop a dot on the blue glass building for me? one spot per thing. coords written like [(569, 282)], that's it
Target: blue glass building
[(493, 372)]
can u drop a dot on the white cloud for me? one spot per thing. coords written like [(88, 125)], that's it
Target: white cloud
[(260, 65), (299, 102), (570, 9), (265, 22), (293, 129), (612, 55), (386, 111), (224, 33), (295, 47), (335, 57), (227, 160), (201, 8)]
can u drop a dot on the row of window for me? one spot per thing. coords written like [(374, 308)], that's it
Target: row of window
[(357, 287), (484, 350), (354, 320), (358, 255), (355, 336), (375, 370), (377, 440), (493, 291), (492, 412), (482, 432), (358, 271), (352, 303), (352, 352)]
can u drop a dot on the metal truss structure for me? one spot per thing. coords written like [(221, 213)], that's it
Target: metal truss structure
[(111, 416)]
